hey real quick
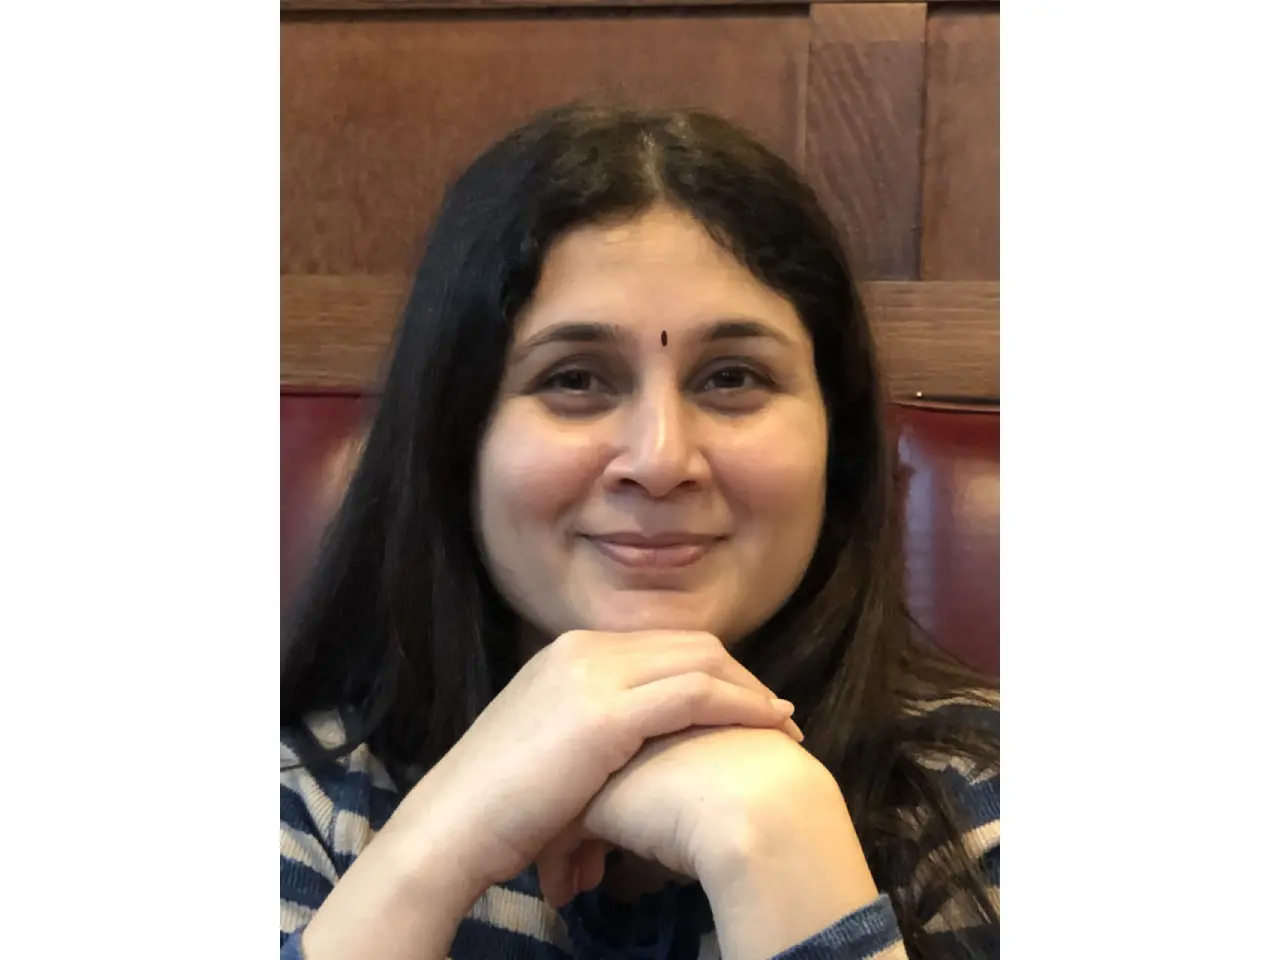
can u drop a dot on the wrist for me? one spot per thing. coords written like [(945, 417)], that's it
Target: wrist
[(782, 875), (427, 865), (434, 855)]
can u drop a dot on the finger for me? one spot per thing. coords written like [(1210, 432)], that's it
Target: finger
[(556, 868), (646, 656), (557, 879), (699, 700), (656, 655), (591, 859), (660, 654)]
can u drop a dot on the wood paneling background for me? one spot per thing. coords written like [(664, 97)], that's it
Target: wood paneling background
[(960, 215), (891, 109), (862, 124)]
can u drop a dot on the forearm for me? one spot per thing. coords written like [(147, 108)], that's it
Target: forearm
[(402, 899), (767, 912)]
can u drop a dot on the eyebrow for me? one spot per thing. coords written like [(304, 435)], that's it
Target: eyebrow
[(610, 333)]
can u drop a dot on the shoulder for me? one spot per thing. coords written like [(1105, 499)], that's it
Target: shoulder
[(330, 809), (962, 752), (960, 747), (962, 711), (345, 797), (970, 777)]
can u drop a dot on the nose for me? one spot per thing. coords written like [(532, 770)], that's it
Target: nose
[(657, 446)]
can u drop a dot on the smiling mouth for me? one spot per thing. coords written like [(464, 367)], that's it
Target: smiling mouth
[(655, 553)]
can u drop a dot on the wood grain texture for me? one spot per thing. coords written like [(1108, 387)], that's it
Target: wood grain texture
[(960, 217), (402, 6), (378, 114), (933, 338), (939, 339), (335, 331), (863, 118), (357, 6)]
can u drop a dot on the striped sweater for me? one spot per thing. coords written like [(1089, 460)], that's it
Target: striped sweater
[(328, 816)]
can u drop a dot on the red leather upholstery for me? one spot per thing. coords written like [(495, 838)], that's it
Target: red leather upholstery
[(951, 468), (317, 434)]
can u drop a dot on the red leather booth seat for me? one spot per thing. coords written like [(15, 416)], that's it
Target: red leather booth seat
[(950, 461), (950, 467)]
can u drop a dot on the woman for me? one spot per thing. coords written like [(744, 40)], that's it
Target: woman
[(627, 486)]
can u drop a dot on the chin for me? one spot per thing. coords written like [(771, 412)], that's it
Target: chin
[(658, 610)]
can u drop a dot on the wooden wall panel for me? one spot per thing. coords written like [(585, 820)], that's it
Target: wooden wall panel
[(335, 331), (938, 339), (891, 108), (401, 6), (934, 338), (960, 220), (378, 114), (863, 117), (405, 6)]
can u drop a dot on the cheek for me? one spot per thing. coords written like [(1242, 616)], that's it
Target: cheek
[(529, 476), (778, 476), (786, 495)]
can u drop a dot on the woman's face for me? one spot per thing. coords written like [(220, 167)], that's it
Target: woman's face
[(656, 456)]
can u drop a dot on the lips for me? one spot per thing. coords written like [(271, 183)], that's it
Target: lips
[(665, 551)]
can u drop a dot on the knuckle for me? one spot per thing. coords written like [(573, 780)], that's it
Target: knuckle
[(709, 649), (710, 641), (698, 689), (608, 731), (570, 651), (576, 680), (568, 644)]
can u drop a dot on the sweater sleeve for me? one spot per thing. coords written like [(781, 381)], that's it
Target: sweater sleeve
[(291, 946), (870, 933), (308, 871), (328, 815)]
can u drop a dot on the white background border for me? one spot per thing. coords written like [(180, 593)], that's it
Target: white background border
[(139, 364)]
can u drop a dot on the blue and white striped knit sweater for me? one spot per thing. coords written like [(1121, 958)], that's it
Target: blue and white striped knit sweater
[(329, 817)]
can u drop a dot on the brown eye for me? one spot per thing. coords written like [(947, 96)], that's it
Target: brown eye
[(735, 377), (576, 391), (570, 381)]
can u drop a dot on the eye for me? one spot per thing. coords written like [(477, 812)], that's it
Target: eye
[(573, 380), (735, 377), (576, 390)]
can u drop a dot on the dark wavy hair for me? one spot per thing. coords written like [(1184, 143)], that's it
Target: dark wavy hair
[(400, 624)]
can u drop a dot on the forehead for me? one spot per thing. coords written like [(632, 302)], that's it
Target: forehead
[(661, 270)]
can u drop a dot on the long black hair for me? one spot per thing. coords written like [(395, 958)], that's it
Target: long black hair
[(399, 622)]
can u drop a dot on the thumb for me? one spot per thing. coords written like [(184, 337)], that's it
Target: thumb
[(591, 858), (557, 868), (571, 864)]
